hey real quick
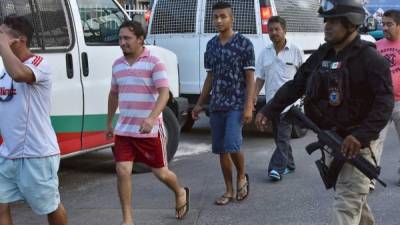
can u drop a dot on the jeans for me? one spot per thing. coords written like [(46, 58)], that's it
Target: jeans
[(226, 131)]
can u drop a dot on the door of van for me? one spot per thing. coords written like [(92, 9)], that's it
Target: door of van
[(97, 24), (54, 40), (174, 26)]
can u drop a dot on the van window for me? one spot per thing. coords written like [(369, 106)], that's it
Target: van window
[(100, 20), (301, 16), (244, 13), (49, 18), (174, 16)]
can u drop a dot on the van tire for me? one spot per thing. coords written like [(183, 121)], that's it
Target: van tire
[(171, 126)]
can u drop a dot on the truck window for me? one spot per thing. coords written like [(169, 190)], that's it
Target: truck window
[(50, 20), (174, 16), (100, 20), (244, 13), (301, 16)]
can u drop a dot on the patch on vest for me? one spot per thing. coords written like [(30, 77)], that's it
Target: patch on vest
[(334, 97), (331, 65)]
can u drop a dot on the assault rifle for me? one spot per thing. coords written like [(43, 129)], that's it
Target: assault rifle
[(330, 142)]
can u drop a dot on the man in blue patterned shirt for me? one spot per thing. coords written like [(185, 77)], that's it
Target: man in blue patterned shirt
[(230, 63)]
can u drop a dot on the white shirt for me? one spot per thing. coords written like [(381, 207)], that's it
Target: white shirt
[(25, 120), (275, 69)]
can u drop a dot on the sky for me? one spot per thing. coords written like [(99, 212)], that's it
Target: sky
[(373, 5)]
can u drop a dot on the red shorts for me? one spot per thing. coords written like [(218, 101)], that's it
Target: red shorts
[(150, 151)]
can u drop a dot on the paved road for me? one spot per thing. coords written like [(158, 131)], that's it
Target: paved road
[(88, 189)]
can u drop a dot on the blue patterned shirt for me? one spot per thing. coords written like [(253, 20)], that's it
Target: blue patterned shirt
[(228, 64)]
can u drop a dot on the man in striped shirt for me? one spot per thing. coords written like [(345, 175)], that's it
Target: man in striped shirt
[(139, 87)]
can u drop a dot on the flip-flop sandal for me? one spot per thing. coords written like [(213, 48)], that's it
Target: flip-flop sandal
[(187, 204), (246, 186), (223, 200)]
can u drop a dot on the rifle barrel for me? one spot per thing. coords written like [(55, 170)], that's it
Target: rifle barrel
[(303, 119), (334, 141)]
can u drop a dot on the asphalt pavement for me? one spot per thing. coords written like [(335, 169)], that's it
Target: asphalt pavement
[(89, 193)]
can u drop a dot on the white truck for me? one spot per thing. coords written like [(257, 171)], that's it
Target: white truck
[(79, 39), (185, 27)]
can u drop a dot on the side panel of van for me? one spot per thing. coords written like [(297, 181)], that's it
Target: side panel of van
[(97, 29), (175, 27), (67, 93)]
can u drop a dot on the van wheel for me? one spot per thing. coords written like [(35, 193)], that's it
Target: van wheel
[(298, 132), (172, 132)]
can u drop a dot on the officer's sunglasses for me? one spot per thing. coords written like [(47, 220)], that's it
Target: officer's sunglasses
[(10, 94), (326, 5)]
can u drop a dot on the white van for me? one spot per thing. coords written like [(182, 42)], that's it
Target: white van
[(79, 39), (185, 27)]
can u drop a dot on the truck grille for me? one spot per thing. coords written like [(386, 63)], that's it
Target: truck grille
[(174, 16), (48, 19), (244, 14), (301, 16)]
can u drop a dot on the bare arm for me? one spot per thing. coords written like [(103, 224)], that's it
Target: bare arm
[(204, 94), (206, 89), (112, 108), (161, 102), (248, 110), (15, 68), (257, 89)]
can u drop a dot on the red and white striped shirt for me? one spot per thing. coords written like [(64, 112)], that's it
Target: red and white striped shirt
[(137, 87)]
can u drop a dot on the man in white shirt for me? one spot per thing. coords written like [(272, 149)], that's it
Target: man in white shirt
[(276, 65), (29, 154)]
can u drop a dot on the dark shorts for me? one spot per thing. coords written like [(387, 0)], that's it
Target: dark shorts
[(226, 131), (150, 151)]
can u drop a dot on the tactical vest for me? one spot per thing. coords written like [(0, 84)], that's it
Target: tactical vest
[(328, 101)]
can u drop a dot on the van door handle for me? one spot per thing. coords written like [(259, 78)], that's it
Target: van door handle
[(70, 66), (85, 64)]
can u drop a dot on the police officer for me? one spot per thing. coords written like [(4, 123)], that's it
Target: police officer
[(347, 88)]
